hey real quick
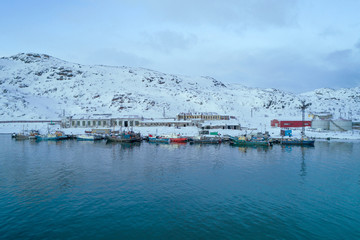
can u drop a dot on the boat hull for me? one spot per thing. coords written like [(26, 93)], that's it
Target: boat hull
[(159, 140), (299, 143), (122, 140), (205, 141), (178, 140)]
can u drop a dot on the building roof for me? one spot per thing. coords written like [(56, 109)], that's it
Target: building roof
[(164, 120), (221, 122), (104, 116), (200, 113)]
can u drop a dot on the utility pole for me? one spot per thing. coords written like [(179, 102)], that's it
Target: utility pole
[(303, 106)]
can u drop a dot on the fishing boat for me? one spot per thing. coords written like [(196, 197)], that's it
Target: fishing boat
[(176, 138), (254, 141), (205, 140), (125, 137), (21, 136), (159, 139), (33, 134), (58, 135), (88, 137), (45, 137), (26, 134)]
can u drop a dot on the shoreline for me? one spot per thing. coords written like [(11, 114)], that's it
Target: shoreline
[(185, 131)]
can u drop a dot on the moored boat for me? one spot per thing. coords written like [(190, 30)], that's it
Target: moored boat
[(205, 140), (243, 141), (175, 138), (159, 140), (88, 137), (304, 141), (126, 137), (21, 136), (46, 137), (58, 135)]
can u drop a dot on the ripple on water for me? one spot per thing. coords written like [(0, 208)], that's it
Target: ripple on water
[(77, 190)]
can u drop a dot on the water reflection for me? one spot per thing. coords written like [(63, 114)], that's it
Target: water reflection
[(303, 164), (244, 149), (106, 189)]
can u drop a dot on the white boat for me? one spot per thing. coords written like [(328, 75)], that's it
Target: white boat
[(88, 137)]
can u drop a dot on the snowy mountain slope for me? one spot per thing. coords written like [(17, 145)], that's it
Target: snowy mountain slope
[(38, 86)]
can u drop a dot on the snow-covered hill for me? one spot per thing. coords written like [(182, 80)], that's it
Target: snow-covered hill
[(38, 86)]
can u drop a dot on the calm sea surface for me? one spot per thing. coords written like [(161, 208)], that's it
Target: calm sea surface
[(87, 190)]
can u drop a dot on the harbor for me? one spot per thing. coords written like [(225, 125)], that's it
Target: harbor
[(99, 190)]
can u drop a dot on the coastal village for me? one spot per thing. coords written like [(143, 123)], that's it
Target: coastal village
[(194, 127)]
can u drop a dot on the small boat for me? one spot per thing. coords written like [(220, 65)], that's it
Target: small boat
[(126, 137), (33, 134), (205, 140), (58, 135), (46, 137), (254, 141), (21, 136), (304, 141), (159, 140), (26, 135), (176, 138), (88, 137)]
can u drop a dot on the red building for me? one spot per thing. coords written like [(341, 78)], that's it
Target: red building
[(290, 124)]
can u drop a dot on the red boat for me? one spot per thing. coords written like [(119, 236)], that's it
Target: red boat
[(178, 140)]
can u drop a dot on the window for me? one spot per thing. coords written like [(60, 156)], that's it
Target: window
[(89, 123), (83, 123), (137, 123), (73, 123), (78, 123), (104, 122), (99, 123), (94, 123)]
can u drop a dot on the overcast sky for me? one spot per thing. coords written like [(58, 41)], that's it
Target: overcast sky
[(293, 45)]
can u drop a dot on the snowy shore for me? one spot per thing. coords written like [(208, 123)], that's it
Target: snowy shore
[(185, 131)]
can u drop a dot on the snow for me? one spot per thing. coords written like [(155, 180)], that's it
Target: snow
[(37, 86)]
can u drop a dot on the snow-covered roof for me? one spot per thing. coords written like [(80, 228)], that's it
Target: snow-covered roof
[(104, 116), (220, 122), (162, 120), (199, 113)]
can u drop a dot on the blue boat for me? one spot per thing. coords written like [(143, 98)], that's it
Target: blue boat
[(298, 141), (243, 141), (125, 137), (159, 140), (51, 136)]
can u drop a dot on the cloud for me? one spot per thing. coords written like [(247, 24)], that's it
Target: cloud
[(339, 56), (114, 57), (330, 32), (236, 14), (357, 44), (287, 70), (167, 41)]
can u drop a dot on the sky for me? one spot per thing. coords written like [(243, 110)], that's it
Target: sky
[(292, 45)]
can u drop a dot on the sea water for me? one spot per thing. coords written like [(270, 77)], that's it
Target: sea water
[(93, 190)]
